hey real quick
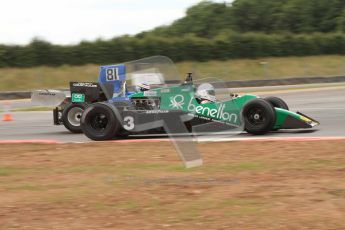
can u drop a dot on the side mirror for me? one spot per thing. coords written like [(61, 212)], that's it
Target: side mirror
[(189, 78)]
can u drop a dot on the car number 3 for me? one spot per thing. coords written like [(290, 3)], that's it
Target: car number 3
[(128, 123)]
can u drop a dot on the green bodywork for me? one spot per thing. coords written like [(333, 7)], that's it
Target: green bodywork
[(182, 98)]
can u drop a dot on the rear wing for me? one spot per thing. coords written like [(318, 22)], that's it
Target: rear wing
[(86, 92)]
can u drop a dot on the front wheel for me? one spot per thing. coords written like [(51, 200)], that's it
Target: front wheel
[(99, 123), (71, 116), (259, 117), (277, 102)]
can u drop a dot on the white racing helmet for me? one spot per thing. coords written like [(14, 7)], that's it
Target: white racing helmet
[(206, 92), (143, 87)]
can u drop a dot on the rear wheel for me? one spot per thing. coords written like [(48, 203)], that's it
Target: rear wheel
[(71, 116), (259, 117), (99, 122)]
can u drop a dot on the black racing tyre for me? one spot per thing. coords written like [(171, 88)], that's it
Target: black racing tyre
[(71, 116), (99, 123), (277, 102), (259, 117)]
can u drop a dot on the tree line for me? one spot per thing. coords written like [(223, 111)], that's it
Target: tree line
[(208, 19), (243, 29)]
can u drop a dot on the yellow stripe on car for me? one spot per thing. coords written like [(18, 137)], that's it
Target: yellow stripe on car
[(307, 120)]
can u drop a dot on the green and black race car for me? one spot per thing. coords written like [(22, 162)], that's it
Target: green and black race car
[(147, 96), (259, 115)]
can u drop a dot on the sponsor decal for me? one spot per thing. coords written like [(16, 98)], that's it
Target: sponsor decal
[(150, 93), (177, 101), (218, 113), (157, 111), (165, 91), (85, 84), (47, 94), (78, 97)]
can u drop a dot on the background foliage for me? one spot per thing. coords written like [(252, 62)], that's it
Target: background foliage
[(243, 29)]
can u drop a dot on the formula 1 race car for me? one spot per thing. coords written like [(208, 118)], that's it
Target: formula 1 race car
[(147, 96)]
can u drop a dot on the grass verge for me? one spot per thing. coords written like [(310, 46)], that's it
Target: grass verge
[(241, 69)]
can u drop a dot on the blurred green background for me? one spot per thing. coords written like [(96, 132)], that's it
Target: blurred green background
[(245, 39)]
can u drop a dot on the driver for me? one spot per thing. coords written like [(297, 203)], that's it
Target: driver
[(206, 96), (143, 87)]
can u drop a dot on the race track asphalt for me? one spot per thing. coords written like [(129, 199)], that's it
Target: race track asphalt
[(325, 105)]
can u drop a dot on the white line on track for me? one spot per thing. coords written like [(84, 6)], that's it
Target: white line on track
[(201, 139)]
